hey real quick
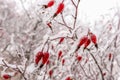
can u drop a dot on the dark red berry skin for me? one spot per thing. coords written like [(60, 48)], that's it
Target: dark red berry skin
[(50, 73), (45, 57), (59, 54), (93, 39), (79, 58), (87, 43), (110, 55), (68, 78), (50, 4), (61, 40), (81, 42), (63, 61), (59, 9), (38, 57), (6, 76)]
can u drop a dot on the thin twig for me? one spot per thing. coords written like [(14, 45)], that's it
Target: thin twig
[(25, 9), (16, 69), (65, 22), (21, 73), (63, 25), (76, 13), (73, 3), (84, 71), (97, 65)]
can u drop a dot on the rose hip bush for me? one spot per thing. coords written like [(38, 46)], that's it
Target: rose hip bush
[(47, 40)]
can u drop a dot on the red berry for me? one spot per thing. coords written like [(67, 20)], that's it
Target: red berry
[(38, 57), (61, 40), (68, 78), (59, 9), (87, 43), (59, 54), (82, 41), (104, 74), (50, 73), (110, 55), (93, 39), (6, 76), (45, 58), (79, 58), (63, 61), (51, 3)]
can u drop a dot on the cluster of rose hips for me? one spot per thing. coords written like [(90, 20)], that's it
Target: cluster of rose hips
[(86, 40), (58, 10)]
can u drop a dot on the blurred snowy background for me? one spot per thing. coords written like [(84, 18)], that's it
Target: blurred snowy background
[(24, 32)]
